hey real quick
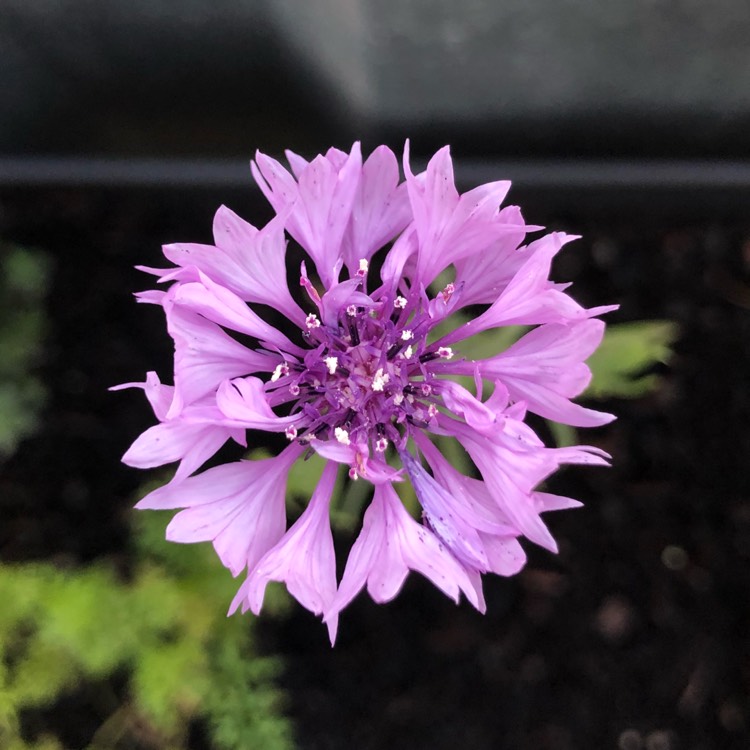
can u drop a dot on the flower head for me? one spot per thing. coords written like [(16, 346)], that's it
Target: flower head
[(365, 375)]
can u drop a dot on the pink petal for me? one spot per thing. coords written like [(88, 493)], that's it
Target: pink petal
[(545, 368), (470, 496), (380, 210), (451, 227), (445, 516), (238, 506), (205, 356), (158, 395), (510, 477), (484, 282), (506, 556), (248, 262), (225, 308), (243, 402), (304, 558), (321, 203), (390, 544), (370, 468)]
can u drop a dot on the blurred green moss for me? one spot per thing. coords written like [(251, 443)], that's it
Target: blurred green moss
[(163, 626), (622, 366), (24, 281)]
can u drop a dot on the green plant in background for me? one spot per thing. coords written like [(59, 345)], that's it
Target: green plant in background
[(163, 628), (24, 281), (622, 365)]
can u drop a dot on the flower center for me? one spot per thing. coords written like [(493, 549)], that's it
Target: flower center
[(366, 379)]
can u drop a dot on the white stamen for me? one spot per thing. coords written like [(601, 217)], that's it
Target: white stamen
[(331, 363), (432, 411), (445, 351), (363, 267), (351, 311), (280, 371), (353, 474), (406, 335), (381, 445), (380, 379), (294, 389), (426, 389), (406, 354), (290, 432), (311, 321), (447, 293), (398, 399), (399, 302), (342, 436)]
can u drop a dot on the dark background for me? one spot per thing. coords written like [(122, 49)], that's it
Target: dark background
[(625, 123)]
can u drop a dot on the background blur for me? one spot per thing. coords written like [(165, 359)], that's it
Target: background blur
[(657, 77), (124, 125)]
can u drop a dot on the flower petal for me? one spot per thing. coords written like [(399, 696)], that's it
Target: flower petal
[(244, 403), (246, 261), (238, 506), (205, 356), (304, 558), (380, 210), (390, 544), (321, 203), (225, 308), (545, 368)]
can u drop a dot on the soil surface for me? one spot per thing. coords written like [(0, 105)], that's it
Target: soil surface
[(635, 636)]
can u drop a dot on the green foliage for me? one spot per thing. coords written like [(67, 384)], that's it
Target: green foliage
[(164, 627), (629, 350), (24, 279)]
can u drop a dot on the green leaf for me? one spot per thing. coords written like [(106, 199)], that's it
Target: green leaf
[(169, 682), (24, 279), (163, 627), (243, 708), (620, 365), (488, 343), (304, 477)]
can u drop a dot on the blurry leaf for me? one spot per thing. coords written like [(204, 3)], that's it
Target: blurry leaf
[(40, 673), (71, 619), (165, 629), (304, 477), (24, 279), (169, 682), (346, 513), (488, 343), (26, 271), (620, 365), (563, 434), (243, 709), (20, 403)]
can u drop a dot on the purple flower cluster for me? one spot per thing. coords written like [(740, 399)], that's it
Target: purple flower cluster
[(367, 376)]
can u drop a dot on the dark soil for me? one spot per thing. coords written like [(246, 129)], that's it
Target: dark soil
[(635, 636)]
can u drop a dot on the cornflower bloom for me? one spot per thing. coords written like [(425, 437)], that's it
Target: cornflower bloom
[(369, 374)]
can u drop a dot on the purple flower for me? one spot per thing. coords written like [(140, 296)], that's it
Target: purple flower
[(365, 374)]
